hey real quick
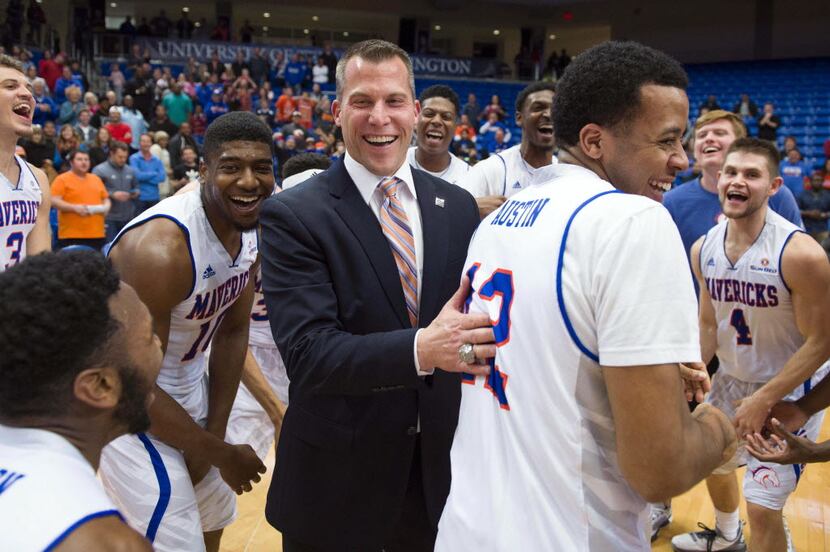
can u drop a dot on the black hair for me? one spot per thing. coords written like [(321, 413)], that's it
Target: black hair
[(75, 151), (233, 126), (440, 91), (530, 89), (303, 162), (55, 322), (602, 86)]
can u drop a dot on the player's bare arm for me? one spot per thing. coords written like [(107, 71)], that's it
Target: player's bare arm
[(238, 464), (488, 204), (154, 259), (805, 269), (707, 320), (105, 534), (40, 238), (662, 449), (261, 391)]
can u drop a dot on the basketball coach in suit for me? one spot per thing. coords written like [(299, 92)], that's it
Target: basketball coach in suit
[(361, 272)]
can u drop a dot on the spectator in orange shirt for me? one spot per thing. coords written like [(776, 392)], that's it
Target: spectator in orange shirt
[(465, 125), (119, 130), (286, 106), (82, 203)]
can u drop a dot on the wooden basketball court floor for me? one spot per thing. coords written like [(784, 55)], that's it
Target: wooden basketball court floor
[(807, 513)]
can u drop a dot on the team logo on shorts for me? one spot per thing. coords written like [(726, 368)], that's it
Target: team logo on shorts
[(766, 477)]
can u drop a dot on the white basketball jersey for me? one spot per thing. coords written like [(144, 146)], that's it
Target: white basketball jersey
[(452, 174), (757, 333), (19, 203), (504, 173), (47, 490), (260, 333), (218, 280), (568, 270)]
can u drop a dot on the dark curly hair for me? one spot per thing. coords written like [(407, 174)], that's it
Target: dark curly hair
[(303, 162), (602, 86), (236, 125), (530, 89), (55, 322), (440, 91)]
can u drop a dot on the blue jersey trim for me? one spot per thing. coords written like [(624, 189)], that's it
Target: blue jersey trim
[(560, 265), (504, 180), (781, 256), (797, 468), (184, 230), (60, 538), (164, 487)]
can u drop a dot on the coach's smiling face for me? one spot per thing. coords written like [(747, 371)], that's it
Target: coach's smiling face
[(377, 113)]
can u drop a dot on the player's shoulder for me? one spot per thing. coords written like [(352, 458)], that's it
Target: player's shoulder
[(105, 533), (804, 251)]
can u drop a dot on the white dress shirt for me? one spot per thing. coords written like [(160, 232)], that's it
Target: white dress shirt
[(367, 185)]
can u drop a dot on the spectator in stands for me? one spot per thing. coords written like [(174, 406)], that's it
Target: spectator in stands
[(85, 131), (100, 147), (265, 112), (711, 103), (119, 130), (161, 140), (78, 74), (91, 102), (36, 18), (178, 105), (295, 73), (746, 108), (487, 132), (295, 127), (45, 106), (243, 89), (149, 172), (330, 59), (494, 107), (465, 125), (286, 106), (768, 124), (471, 109), (215, 107), (182, 139), (161, 25), (82, 202), (142, 89), (246, 33), (795, 172), (215, 66), (184, 26), (306, 105), (65, 81), (143, 28), (790, 143), (135, 119), (258, 65), (99, 118), (38, 150), (200, 29), (185, 171), (285, 149), (50, 131), (815, 207), (239, 63), (122, 187), (320, 71), (50, 68), (71, 107), (68, 141), (186, 85), (499, 143), (197, 123), (161, 121), (434, 133), (127, 27)]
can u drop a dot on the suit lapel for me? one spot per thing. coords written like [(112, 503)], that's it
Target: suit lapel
[(434, 230), (358, 217)]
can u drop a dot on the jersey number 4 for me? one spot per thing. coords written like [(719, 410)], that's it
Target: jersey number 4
[(738, 322), (499, 284)]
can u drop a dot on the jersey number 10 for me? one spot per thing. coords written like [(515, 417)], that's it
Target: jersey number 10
[(499, 284)]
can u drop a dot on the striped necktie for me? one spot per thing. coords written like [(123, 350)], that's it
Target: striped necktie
[(395, 225)]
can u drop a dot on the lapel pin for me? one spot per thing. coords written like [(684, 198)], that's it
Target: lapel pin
[(439, 201)]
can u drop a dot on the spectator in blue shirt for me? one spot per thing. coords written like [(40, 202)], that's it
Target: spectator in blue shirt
[(149, 172), (45, 107), (65, 81), (795, 172), (135, 119), (215, 107), (815, 207), (295, 73), (71, 108), (487, 133)]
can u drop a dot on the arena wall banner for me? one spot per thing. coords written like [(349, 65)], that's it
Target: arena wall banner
[(179, 51)]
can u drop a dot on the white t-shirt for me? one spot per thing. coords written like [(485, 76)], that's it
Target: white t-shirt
[(504, 173), (47, 490), (320, 74), (757, 333), (19, 203), (577, 275), (456, 170)]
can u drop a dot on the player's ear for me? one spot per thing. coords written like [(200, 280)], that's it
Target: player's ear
[(591, 140), (203, 171), (98, 387), (518, 118), (775, 185)]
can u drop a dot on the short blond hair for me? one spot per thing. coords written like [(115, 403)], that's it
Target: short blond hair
[(716, 115)]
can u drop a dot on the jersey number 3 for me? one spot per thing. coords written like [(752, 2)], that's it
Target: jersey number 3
[(499, 284), (738, 322)]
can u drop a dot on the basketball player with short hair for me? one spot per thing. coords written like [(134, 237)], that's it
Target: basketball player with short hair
[(434, 133), (765, 311), (582, 417), (79, 361), (505, 173), (24, 189), (190, 258)]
